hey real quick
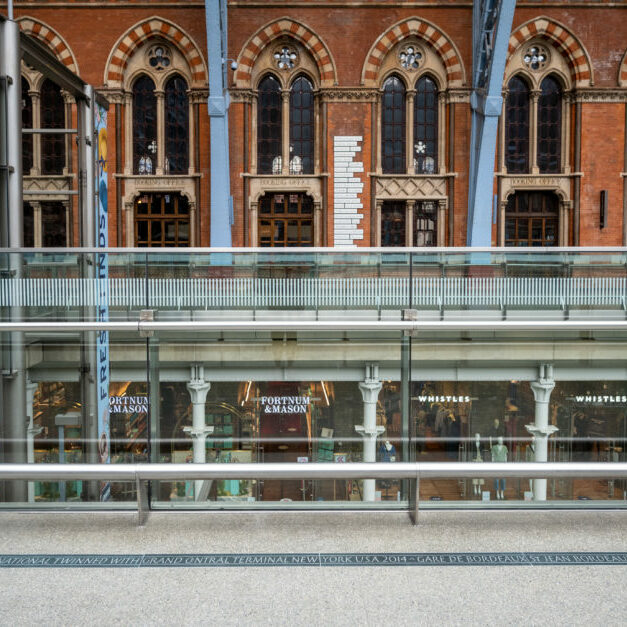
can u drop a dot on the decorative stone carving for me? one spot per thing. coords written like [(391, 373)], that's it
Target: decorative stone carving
[(259, 185), (410, 187)]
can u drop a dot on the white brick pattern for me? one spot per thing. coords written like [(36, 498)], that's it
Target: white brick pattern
[(347, 188)]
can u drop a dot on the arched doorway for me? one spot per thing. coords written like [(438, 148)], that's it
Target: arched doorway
[(162, 220), (286, 219), (532, 219)]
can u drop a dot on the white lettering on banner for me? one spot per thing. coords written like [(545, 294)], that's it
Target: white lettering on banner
[(606, 398), (444, 399), (128, 405), (285, 404)]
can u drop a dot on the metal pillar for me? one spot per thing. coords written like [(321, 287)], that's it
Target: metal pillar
[(198, 389), (369, 431), (492, 25), (541, 429), (11, 236), (221, 201)]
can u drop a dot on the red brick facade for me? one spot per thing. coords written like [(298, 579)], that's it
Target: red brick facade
[(348, 48)]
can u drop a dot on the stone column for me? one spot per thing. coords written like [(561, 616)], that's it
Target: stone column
[(128, 135), (369, 431), (31, 433), (441, 165), (317, 224), (440, 225), (36, 100), (285, 138), (254, 224), (198, 388), (533, 131), (160, 138), (409, 135), (410, 205), (37, 224), (541, 428)]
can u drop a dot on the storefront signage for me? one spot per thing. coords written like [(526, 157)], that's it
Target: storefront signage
[(285, 404), (444, 399), (606, 398), (128, 405)]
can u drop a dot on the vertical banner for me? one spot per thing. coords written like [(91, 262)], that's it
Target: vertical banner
[(102, 344)]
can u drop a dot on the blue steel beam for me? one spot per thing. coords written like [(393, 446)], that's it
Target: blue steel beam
[(492, 26), (216, 21)]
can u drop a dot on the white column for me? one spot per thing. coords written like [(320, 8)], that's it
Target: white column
[(370, 389), (198, 388), (541, 429), (31, 433)]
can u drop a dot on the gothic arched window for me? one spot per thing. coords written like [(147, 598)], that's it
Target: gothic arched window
[(301, 127), (426, 126), (549, 126), (52, 116), (176, 126), (269, 126), (393, 126), (517, 126), (144, 126)]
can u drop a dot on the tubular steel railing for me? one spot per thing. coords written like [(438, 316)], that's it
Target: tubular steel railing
[(143, 472)]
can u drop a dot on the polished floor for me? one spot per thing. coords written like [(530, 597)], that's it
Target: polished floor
[(358, 590)]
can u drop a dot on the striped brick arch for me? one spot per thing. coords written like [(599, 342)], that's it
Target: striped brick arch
[(429, 33), (622, 72), (51, 39), (148, 29), (563, 40), (282, 27)]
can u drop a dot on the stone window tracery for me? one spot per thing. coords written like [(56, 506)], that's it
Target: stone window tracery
[(285, 57), (159, 57), (410, 57), (536, 57)]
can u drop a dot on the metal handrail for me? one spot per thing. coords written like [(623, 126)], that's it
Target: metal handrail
[(345, 324), (143, 472)]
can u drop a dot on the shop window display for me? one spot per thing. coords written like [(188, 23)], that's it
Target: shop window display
[(276, 422)]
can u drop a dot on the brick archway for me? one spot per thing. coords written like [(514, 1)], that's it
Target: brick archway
[(140, 33), (51, 39), (563, 40), (431, 34), (285, 26), (622, 72)]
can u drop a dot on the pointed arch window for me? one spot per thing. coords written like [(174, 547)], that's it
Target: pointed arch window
[(426, 126), (301, 127), (52, 116), (393, 126), (144, 126), (269, 126), (27, 122), (176, 126), (517, 126), (549, 126)]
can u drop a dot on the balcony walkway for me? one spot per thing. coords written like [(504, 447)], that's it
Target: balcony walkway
[(495, 585)]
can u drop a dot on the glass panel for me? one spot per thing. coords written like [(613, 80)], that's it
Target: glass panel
[(517, 126), (269, 125), (52, 116), (167, 222), (426, 126), (549, 126), (393, 126), (393, 223), (176, 126), (299, 207), (144, 126), (301, 127), (531, 219)]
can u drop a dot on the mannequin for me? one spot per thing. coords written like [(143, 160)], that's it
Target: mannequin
[(496, 430), (477, 484), (499, 454), (387, 452)]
